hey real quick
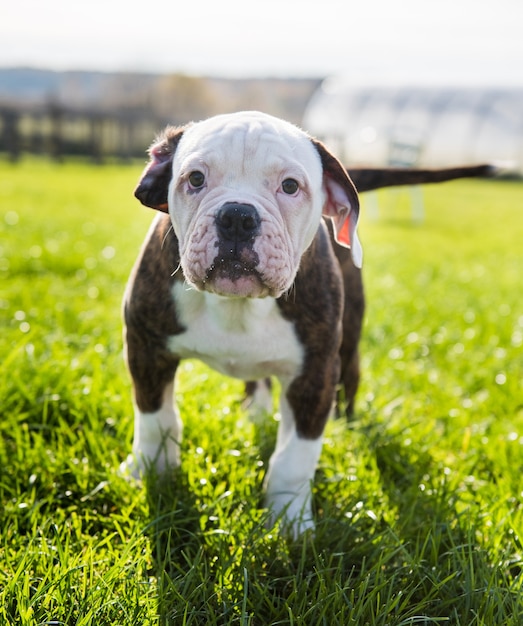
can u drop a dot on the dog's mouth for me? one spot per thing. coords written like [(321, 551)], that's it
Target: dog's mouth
[(236, 254), (235, 274)]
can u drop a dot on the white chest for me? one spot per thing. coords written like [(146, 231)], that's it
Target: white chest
[(240, 337)]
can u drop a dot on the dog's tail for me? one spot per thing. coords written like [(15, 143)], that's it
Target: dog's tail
[(367, 179)]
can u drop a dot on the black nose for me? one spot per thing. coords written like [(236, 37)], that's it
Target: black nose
[(237, 222)]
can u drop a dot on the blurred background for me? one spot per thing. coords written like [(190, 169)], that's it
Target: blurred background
[(429, 84)]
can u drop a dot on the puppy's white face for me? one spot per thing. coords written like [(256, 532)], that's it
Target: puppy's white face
[(245, 193), (245, 200)]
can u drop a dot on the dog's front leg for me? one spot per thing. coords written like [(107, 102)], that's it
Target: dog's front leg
[(157, 437), (291, 471), (157, 424)]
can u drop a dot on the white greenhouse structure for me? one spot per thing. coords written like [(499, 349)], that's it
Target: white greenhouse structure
[(423, 127)]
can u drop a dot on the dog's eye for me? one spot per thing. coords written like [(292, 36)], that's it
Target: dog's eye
[(196, 179), (290, 186)]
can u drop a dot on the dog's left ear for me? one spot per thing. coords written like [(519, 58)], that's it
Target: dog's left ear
[(342, 204), (153, 186)]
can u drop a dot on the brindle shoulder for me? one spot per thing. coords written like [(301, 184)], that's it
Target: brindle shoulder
[(148, 301)]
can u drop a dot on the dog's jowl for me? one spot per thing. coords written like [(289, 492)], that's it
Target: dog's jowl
[(239, 270)]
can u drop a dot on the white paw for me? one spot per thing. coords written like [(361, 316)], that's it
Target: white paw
[(156, 444), (159, 460), (288, 480), (292, 510), (129, 468)]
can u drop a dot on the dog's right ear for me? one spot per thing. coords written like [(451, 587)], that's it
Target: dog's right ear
[(342, 204), (153, 186)]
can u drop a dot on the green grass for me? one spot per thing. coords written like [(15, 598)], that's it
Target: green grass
[(418, 500)]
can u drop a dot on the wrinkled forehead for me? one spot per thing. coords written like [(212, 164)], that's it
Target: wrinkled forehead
[(249, 138)]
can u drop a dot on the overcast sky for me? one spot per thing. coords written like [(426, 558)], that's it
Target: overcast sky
[(374, 41)]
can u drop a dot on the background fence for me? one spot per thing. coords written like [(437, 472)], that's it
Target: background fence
[(59, 132)]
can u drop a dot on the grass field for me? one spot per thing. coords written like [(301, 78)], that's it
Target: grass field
[(418, 500)]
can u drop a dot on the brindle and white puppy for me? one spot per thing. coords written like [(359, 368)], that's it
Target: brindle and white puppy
[(239, 271)]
